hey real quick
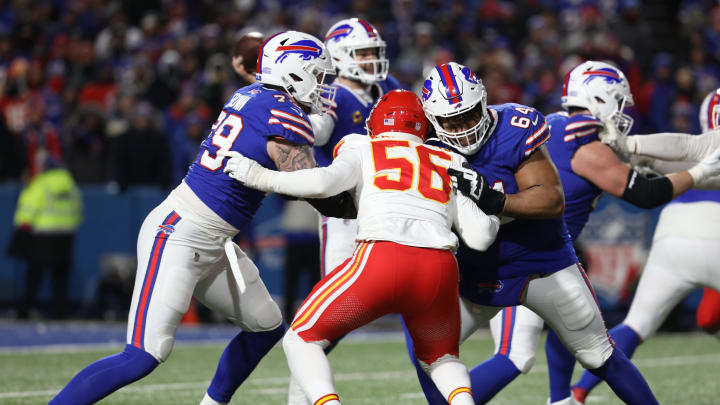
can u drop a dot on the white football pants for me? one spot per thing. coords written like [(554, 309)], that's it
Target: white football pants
[(565, 301), (176, 261), (675, 267)]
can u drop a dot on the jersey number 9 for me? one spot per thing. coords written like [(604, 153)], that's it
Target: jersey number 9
[(223, 135)]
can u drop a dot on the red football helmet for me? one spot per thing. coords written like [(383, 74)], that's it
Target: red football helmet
[(398, 111)]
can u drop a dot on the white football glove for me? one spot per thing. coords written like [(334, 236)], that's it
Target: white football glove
[(609, 134), (242, 169), (708, 167)]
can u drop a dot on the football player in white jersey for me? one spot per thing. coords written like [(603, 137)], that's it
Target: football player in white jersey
[(358, 52), (403, 262), (684, 253)]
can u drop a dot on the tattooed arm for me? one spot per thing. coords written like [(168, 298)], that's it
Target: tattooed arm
[(332, 185)]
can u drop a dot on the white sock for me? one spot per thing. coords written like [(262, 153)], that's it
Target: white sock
[(310, 368), (209, 401), (296, 396), (452, 379)]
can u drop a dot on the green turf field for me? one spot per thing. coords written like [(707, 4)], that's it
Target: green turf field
[(681, 369)]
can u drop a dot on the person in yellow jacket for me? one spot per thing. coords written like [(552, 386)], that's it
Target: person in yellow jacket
[(49, 211)]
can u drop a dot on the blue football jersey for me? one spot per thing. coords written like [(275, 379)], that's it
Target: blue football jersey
[(349, 114), (523, 247), (251, 116), (567, 135)]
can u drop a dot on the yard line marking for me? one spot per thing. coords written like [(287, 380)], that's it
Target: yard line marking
[(648, 362)]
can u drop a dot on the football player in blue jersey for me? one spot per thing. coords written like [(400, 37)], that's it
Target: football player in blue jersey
[(358, 53), (532, 261), (185, 246), (684, 243)]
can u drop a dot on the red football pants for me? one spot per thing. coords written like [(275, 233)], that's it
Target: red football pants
[(708, 312), (382, 278)]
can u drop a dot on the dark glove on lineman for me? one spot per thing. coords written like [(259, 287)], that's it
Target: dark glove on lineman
[(476, 187)]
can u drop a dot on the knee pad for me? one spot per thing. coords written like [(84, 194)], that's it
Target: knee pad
[(595, 356), (524, 362), (575, 309), (163, 343), (265, 316)]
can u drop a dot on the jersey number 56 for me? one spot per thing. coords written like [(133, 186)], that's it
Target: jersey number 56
[(406, 170)]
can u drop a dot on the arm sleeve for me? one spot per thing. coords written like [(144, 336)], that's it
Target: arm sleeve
[(319, 182), (476, 229), (323, 126), (674, 146)]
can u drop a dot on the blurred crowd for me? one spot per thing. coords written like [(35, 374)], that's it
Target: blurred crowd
[(123, 91)]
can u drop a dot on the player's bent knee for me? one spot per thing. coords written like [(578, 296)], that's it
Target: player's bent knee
[(595, 357), (523, 363), (265, 316), (162, 344)]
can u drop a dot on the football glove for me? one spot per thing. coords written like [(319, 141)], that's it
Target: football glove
[(242, 169), (474, 185)]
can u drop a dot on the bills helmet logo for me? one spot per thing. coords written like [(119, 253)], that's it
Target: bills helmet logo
[(608, 74), (167, 229), (339, 33), (490, 287), (306, 49), (427, 90), (469, 75)]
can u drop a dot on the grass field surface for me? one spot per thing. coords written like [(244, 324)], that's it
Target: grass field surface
[(681, 369)]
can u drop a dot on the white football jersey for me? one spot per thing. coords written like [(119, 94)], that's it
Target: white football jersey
[(402, 189)]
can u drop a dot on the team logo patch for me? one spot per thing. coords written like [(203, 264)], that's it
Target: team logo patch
[(427, 90), (166, 229), (306, 49), (608, 74), (490, 287), (339, 33), (357, 117)]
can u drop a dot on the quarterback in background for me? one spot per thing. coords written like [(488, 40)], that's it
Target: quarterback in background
[(403, 262), (185, 246), (358, 53)]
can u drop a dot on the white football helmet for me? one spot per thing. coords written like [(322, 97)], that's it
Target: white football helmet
[(710, 111), (348, 36), (602, 89), (300, 64), (453, 97)]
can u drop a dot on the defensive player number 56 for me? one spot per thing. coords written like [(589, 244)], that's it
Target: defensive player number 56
[(224, 133), (406, 170)]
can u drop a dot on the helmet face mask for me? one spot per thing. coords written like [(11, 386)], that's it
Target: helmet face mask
[(300, 64), (603, 90), (348, 42), (455, 102)]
